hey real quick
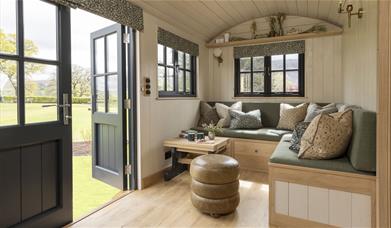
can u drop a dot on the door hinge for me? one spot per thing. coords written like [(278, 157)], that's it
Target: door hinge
[(127, 104), (128, 169), (126, 38)]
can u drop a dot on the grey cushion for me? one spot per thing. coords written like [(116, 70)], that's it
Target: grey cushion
[(283, 155), (297, 134), (314, 110), (208, 114), (249, 120), (362, 149)]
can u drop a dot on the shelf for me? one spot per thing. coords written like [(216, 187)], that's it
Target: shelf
[(274, 39)]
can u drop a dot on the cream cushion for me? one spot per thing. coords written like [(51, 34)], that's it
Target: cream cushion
[(327, 136), (223, 112), (290, 115)]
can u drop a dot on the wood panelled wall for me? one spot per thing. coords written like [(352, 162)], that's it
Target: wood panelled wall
[(323, 80)]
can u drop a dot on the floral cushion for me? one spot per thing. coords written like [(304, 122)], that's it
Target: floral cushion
[(290, 115), (298, 132), (241, 120)]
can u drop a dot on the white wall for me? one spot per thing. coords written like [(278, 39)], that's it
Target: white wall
[(323, 79), (359, 58), (161, 119)]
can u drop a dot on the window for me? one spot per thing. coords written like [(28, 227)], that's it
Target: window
[(276, 75), (176, 73)]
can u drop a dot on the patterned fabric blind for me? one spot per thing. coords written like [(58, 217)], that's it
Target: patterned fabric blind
[(171, 40), (121, 11), (270, 49)]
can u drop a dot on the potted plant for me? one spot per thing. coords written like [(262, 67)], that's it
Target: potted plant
[(212, 129)]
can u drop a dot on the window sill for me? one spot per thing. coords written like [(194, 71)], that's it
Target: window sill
[(177, 98), (270, 97)]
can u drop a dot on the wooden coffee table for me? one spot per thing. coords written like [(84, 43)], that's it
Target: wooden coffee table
[(183, 151)]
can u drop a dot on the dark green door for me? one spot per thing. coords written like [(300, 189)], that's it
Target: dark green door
[(108, 115)]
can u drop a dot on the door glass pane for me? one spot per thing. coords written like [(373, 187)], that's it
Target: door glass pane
[(170, 56), (181, 80), (258, 63), (160, 78), (277, 62), (160, 53), (181, 60), (112, 53), (245, 64), (8, 92), (99, 55), (277, 82), (188, 62), (258, 84), (188, 82), (100, 94), (245, 82), (40, 29), (170, 79), (8, 26), (112, 86), (40, 92), (292, 61), (292, 81)]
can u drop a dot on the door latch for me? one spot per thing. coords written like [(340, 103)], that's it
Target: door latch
[(128, 169), (65, 108)]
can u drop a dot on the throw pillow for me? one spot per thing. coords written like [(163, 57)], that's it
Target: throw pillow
[(223, 112), (327, 136), (297, 135), (241, 120), (290, 115), (314, 110), (208, 114)]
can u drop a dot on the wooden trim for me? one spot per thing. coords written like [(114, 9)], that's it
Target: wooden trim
[(153, 178), (274, 39)]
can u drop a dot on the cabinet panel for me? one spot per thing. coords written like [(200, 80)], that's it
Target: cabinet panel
[(318, 204), (281, 197), (298, 201), (253, 155), (361, 210), (340, 209)]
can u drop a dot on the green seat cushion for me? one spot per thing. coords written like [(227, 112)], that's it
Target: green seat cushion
[(269, 134), (283, 155)]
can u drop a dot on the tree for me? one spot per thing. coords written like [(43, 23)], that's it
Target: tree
[(81, 80)]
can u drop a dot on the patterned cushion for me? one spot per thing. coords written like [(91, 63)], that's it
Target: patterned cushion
[(297, 134), (222, 111), (314, 110), (208, 114), (290, 115), (327, 136), (241, 120)]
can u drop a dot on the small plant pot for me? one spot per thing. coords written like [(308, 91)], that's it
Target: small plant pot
[(211, 135)]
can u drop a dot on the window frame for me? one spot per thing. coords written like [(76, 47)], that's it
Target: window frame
[(268, 80), (176, 68)]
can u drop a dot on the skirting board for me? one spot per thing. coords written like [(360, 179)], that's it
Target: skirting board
[(153, 178)]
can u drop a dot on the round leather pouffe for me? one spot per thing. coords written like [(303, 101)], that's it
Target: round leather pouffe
[(214, 169), (218, 191), (215, 206)]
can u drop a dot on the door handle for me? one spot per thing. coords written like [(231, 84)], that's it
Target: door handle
[(65, 108)]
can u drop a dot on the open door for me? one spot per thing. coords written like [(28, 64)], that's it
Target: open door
[(108, 115)]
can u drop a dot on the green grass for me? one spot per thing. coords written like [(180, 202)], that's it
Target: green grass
[(88, 193)]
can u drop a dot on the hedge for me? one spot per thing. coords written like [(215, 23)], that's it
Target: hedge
[(42, 99)]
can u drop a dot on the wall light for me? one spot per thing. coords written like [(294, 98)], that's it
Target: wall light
[(217, 53), (349, 11)]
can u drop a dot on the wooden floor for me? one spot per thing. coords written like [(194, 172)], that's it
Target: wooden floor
[(168, 204)]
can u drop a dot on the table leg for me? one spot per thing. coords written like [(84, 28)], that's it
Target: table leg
[(176, 168)]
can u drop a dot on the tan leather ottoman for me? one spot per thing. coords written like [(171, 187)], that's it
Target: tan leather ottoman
[(215, 184)]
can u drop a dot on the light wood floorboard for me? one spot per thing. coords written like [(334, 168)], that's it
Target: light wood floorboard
[(167, 204)]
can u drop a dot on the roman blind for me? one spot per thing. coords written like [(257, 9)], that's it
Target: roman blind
[(171, 40), (270, 49), (121, 11)]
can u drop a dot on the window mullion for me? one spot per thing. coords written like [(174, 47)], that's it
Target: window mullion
[(20, 52), (251, 76), (284, 73)]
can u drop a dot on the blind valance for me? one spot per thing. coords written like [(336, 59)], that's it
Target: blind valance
[(270, 49), (171, 40), (121, 11)]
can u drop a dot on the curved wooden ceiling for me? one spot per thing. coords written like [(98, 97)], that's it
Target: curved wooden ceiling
[(207, 18)]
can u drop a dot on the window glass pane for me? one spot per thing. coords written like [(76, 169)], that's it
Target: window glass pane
[(99, 55), (188, 62), (40, 29), (112, 53), (292, 81), (181, 60), (258, 63), (8, 92), (245, 64), (8, 26), (170, 79), (170, 56), (112, 87), (292, 61), (40, 92), (181, 80), (160, 78), (245, 82), (188, 82), (160, 53), (100, 94), (277, 82), (258, 82), (277, 62)]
